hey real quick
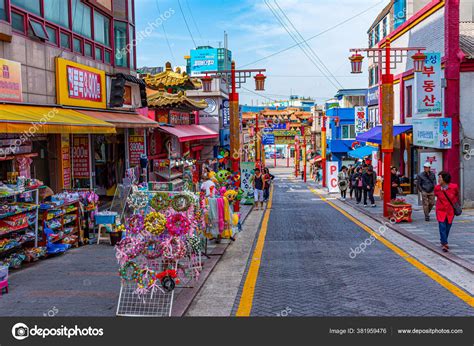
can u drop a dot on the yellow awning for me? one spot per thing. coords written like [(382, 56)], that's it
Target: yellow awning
[(43, 120)]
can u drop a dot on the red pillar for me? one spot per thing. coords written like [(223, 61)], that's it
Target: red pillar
[(452, 94)]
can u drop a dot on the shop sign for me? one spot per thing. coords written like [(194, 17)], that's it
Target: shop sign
[(360, 120), (435, 158), (428, 87), (332, 169), (286, 133), (433, 133), (80, 156), (136, 147), (247, 169), (179, 118), (66, 161), (80, 85), (10, 81), (203, 60), (268, 139), (225, 113), (375, 160), (373, 96)]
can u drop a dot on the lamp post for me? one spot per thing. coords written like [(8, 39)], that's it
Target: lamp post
[(323, 148), (389, 57), (303, 152)]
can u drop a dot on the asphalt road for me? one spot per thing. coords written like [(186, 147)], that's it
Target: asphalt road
[(306, 269)]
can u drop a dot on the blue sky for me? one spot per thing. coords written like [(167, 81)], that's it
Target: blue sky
[(255, 33)]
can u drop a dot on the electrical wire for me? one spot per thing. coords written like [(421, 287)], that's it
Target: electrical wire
[(164, 31), (194, 20), (315, 36), (187, 25), (261, 95)]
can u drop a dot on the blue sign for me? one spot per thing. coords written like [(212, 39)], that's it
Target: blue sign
[(203, 60), (267, 129), (433, 133), (225, 113), (268, 139), (373, 96)]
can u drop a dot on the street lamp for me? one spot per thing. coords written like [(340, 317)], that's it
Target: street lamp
[(206, 83), (260, 82), (389, 57)]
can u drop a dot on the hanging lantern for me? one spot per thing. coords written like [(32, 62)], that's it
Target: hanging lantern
[(260, 82), (356, 63), (419, 61), (337, 121), (206, 83)]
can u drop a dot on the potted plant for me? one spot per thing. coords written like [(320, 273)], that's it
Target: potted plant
[(399, 210)]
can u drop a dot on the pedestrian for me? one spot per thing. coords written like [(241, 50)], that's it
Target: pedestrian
[(357, 183), (425, 183), (268, 181), (343, 182), (395, 181), (208, 186), (258, 183), (447, 195), (369, 179), (351, 173)]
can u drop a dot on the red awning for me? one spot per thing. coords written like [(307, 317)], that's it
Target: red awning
[(187, 133), (123, 120)]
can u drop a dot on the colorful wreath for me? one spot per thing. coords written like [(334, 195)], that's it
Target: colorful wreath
[(124, 271), (194, 243), (174, 248), (137, 200), (135, 224), (128, 249), (146, 278), (152, 250), (155, 223), (178, 224), (160, 201), (182, 202)]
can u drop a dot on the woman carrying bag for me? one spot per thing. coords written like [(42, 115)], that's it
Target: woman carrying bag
[(343, 183)]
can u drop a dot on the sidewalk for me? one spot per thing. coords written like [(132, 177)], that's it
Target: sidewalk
[(461, 238)]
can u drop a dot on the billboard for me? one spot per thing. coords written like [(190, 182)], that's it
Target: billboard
[(203, 60), (428, 87), (433, 133), (10, 81)]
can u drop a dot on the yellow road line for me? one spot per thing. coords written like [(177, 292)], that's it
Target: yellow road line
[(246, 301), (461, 294)]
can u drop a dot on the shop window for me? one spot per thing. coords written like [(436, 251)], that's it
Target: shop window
[(57, 11), (3, 12), (348, 132), (29, 5), (88, 50), (38, 30), (18, 22), (77, 45), (101, 29), (130, 11), (107, 56), (121, 51), (52, 35), (98, 53), (409, 101), (131, 38), (120, 9), (81, 19), (65, 40)]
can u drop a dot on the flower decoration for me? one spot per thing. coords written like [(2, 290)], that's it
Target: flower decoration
[(146, 279), (137, 200), (129, 271), (135, 224), (152, 250), (182, 201), (174, 248), (194, 243), (155, 223), (178, 224), (128, 249), (160, 201)]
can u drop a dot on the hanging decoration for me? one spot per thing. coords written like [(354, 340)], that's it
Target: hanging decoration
[(155, 223), (160, 201)]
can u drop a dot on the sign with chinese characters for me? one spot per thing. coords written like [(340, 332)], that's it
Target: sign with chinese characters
[(10, 81), (80, 156), (80, 85), (433, 133), (428, 87), (225, 113), (435, 158), (66, 161), (268, 139), (332, 168), (360, 119), (247, 170), (136, 147)]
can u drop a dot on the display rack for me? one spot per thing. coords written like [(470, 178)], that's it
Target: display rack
[(64, 220)]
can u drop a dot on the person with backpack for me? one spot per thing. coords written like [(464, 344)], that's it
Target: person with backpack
[(369, 179), (447, 206), (425, 183)]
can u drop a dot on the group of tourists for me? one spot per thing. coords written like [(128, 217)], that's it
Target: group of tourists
[(261, 182), (360, 181)]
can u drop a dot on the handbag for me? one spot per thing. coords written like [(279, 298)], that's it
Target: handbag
[(456, 206)]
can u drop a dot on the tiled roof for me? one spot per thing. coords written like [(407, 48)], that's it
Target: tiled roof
[(466, 38), (179, 101), (170, 78)]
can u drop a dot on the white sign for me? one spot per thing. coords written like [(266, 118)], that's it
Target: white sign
[(433, 133), (375, 160), (332, 169), (428, 87), (435, 158), (360, 120)]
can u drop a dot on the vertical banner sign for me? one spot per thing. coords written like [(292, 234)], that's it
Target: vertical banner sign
[(360, 120), (66, 161), (387, 117), (80, 155), (247, 170), (435, 158), (10, 81), (428, 87), (136, 147), (332, 183)]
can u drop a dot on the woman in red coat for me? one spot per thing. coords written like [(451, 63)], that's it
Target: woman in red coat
[(447, 195)]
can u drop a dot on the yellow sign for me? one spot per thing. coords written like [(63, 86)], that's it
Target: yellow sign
[(10, 81), (80, 85)]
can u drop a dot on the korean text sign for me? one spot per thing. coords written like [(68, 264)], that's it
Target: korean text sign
[(360, 119), (136, 147), (428, 90), (80, 156), (10, 81), (433, 133)]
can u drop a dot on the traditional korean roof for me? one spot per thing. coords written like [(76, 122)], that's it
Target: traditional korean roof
[(172, 79), (292, 115), (179, 101), (466, 38)]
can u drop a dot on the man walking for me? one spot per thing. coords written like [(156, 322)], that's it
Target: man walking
[(425, 183), (258, 183)]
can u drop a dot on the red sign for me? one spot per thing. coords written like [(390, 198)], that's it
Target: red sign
[(136, 147), (84, 85), (66, 161), (80, 156)]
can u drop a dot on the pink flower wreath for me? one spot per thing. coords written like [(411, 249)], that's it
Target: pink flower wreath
[(178, 224)]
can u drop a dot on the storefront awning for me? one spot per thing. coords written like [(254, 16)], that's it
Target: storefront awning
[(362, 152), (44, 120), (374, 135), (123, 120), (187, 133)]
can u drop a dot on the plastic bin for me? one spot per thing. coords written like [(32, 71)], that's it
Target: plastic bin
[(105, 219)]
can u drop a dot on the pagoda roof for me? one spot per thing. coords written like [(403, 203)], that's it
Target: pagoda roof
[(179, 101), (172, 79)]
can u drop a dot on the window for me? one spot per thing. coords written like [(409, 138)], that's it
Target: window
[(377, 34), (18, 22), (65, 40), (121, 51), (77, 45), (29, 5), (3, 13), (38, 30), (57, 11), (88, 49), (131, 36), (120, 9), (81, 19), (385, 26), (101, 29), (409, 101), (98, 53), (130, 11), (52, 35), (348, 132), (107, 56)]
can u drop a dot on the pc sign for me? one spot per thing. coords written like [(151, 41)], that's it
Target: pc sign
[(332, 169)]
